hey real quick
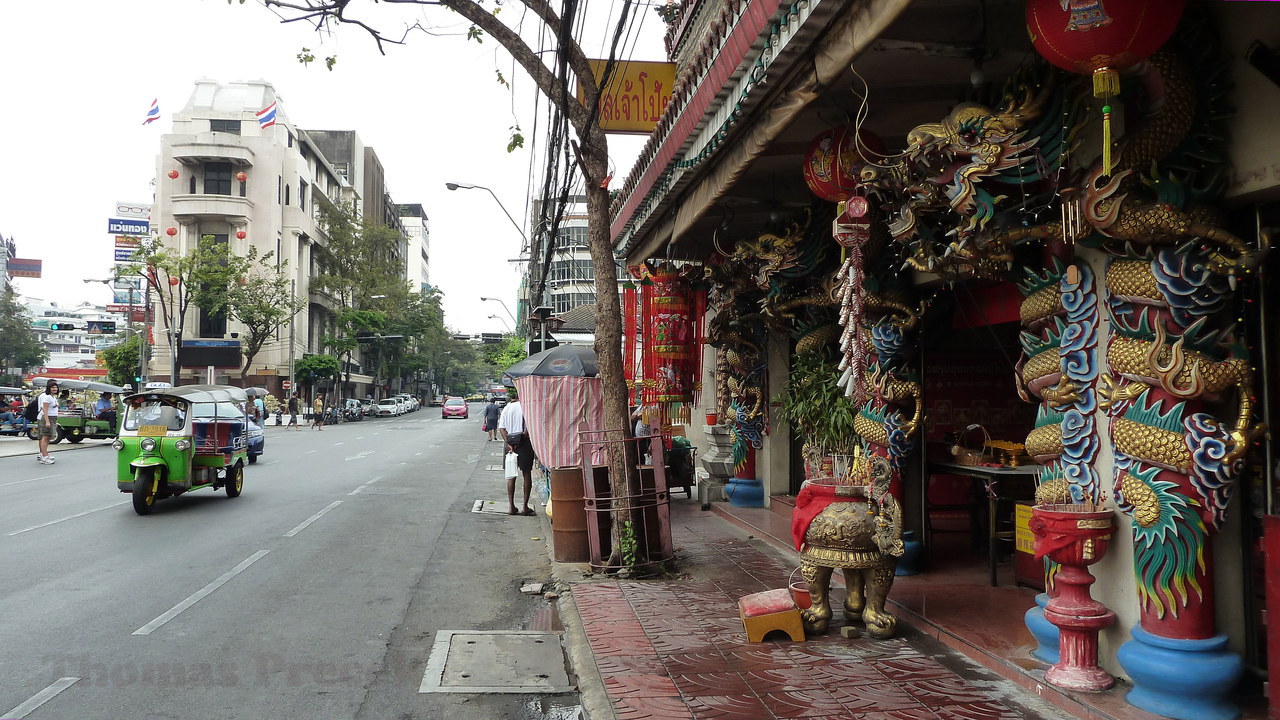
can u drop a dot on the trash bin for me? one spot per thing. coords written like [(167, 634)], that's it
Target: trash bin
[(569, 526)]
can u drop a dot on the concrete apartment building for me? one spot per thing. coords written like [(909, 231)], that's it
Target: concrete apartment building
[(224, 172), (417, 229)]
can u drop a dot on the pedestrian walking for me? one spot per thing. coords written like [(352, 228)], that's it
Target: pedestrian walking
[(317, 412), (516, 436), (293, 411), (491, 415), (47, 420)]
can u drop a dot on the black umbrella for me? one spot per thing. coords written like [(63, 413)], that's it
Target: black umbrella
[(559, 361)]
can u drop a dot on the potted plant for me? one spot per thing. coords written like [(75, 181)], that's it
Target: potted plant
[(819, 412)]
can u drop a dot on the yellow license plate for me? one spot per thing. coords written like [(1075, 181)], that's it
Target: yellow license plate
[(153, 430)]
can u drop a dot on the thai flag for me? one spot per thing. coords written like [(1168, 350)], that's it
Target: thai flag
[(267, 116), (154, 113)]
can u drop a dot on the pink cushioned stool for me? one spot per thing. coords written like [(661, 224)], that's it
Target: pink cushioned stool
[(770, 610)]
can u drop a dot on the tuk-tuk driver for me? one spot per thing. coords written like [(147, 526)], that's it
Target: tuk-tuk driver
[(105, 408)]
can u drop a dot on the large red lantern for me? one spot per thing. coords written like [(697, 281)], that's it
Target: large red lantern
[(240, 234), (173, 174), (174, 281), (171, 231), (241, 177), (835, 158), (1101, 38)]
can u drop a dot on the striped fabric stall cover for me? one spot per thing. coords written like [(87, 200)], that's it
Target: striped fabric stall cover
[(556, 409)]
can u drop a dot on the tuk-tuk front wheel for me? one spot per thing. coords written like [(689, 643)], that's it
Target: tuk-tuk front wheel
[(235, 480), (75, 435), (33, 432), (146, 485), (58, 435)]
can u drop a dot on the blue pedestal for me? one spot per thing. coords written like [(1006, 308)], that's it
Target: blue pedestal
[(1045, 632), (745, 492), (1182, 679), (909, 563)]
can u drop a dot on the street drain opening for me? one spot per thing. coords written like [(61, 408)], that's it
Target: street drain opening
[(512, 661)]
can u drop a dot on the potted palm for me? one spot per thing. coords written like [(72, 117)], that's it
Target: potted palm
[(820, 413)]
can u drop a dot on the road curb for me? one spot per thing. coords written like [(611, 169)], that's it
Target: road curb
[(592, 696), (23, 446)]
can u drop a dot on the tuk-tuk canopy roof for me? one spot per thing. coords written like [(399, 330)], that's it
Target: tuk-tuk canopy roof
[(69, 384), (201, 393), (4, 390)]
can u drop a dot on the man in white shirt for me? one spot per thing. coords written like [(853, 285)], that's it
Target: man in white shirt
[(516, 437), (47, 420)]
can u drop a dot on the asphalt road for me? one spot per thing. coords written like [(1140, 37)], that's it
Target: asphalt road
[(315, 594)]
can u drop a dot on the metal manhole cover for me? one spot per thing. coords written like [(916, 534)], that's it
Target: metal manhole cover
[(511, 661)]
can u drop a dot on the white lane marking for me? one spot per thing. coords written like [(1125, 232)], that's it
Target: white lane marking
[(337, 444), (417, 454), (40, 698), (357, 490), (303, 525), (69, 517), (272, 462), (493, 467), (309, 452), (360, 438), (200, 594), (361, 454), (44, 477)]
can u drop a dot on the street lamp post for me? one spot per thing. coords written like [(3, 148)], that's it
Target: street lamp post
[(502, 320), (504, 307), (463, 186)]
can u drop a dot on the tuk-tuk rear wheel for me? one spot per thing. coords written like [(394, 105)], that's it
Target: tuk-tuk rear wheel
[(33, 432), (145, 487), (75, 435), (58, 435), (235, 483)]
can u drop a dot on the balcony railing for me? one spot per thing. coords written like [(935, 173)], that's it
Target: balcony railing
[(204, 150), (202, 206)]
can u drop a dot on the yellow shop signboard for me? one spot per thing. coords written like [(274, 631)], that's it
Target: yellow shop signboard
[(636, 96)]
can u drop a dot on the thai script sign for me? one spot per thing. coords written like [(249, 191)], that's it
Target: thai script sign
[(118, 226), (636, 97)]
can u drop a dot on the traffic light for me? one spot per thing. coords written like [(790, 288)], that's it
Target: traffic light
[(62, 326)]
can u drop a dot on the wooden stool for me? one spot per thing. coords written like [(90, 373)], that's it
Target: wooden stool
[(770, 610)]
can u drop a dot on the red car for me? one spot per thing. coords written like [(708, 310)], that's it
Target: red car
[(455, 407)]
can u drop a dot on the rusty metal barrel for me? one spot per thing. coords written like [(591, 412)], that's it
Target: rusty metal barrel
[(569, 524)]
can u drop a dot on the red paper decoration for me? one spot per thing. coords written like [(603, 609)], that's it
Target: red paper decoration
[(173, 174), (669, 346), (834, 159), (174, 281), (241, 177), (171, 231), (240, 234), (1101, 38), (1088, 36)]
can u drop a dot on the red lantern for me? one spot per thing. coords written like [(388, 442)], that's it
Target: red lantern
[(835, 158), (240, 234), (171, 231), (241, 177), (174, 281), (1101, 38), (173, 174)]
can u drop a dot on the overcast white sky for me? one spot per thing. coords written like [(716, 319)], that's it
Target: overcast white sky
[(80, 75)]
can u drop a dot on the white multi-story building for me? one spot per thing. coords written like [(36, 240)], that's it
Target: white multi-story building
[(225, 173), (417, 229)]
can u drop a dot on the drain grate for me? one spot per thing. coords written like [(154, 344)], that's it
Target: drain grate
[(511, 661)]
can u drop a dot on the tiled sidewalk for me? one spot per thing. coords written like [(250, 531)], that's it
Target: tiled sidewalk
[(675, 648)]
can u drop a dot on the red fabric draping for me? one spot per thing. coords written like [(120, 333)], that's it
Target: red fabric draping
[(811, 501)]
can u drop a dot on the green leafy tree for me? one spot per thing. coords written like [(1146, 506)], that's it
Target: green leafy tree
[(122, 360), (550, 72), (261, 301), (19, 347), (313, 370), (202, 277)]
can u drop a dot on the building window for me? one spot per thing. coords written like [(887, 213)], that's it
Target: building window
[(302, 195), (286, 194), (225, 126), (191, 184), (279, 188), (214, 325), (217, 178), (290, 139)]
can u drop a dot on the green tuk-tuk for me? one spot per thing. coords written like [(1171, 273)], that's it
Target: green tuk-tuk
[(180, 439), (79, 420)]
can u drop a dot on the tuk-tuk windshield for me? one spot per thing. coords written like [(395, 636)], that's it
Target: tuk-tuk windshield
[(168, 412), (220, 410)]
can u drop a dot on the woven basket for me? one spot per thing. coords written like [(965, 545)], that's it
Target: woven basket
[(965, 455)]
